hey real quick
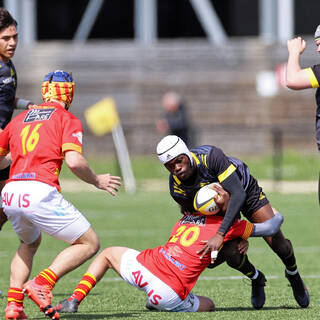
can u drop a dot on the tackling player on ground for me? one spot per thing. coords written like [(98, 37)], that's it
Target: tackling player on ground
[(190, 170), (168, 273), (38, 140)]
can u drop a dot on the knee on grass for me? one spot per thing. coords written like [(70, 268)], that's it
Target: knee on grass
[(206, 304)]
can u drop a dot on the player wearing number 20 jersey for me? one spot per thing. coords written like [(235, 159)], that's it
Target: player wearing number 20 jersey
[(48, 127), (177, 263)]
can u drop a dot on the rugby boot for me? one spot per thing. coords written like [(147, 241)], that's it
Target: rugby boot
[(258, 296), (67, 306), (50, 312), (14, 312), (300, 291), (40, 294)]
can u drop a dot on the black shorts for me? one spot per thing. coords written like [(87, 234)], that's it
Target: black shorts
[(4, 173), (255, 200)]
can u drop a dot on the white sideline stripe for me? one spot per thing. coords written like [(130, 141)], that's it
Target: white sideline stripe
[(206, 278)]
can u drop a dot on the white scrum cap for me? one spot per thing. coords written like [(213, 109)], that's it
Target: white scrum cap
[(170, 147), (317, 34)]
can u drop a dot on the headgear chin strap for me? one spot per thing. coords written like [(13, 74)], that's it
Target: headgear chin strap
[(170, 147), (58, 85)]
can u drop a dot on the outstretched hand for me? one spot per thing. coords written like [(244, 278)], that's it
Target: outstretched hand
[(108, 183)]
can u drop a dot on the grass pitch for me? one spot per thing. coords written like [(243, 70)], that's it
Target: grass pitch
[(145, 220)]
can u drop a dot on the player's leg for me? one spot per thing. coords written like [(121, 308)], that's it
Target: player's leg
[(3, 217), (257, 209), (236, 260), (191, 303), (21, 266), (108, 258), (4, 175), (284, 249), (39, 289), (30, 238), (206, 304), (52, 214), (85, 247)]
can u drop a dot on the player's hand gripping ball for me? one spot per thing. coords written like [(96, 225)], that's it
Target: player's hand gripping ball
[(204, 201)]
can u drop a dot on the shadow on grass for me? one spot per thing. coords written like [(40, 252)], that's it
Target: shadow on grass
[(101, 316), (66, 296), (260, 310)]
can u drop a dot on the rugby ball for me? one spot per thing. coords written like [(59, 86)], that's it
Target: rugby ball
[(204, 200)]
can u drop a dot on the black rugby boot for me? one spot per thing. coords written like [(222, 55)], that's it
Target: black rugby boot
[(258, 297), (300, 291)]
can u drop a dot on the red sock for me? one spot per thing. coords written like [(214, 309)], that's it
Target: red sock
[(47, 277), (87, 282), (15, 295)]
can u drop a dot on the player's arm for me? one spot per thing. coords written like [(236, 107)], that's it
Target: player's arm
[(80, 167), (22, 104), (297, 78), (232, 184), (230, 181), (5, 161), (267, 228), (5, 156)]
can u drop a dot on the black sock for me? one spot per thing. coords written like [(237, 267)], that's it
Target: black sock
[(246, 267), (290, 260)]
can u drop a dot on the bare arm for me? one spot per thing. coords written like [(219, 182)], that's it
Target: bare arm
[(5, 161), (296, 78), (80, 167)]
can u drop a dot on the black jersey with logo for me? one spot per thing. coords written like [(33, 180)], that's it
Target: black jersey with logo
[(212, 166), (316, 71), (8, 85)]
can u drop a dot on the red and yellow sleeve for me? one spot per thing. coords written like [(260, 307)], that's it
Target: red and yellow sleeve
[(243, 229), (72, 136), (4, 142)]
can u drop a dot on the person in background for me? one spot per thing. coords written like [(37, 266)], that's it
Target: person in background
[(175, 119), (298, 78), (191, 169), (168, 273), (39, 139), (8, 83)]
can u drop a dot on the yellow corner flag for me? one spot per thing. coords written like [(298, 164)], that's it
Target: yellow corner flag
[(102, 117)]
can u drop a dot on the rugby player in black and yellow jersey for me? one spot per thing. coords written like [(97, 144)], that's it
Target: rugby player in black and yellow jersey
[(192, 169), (298, 78), (8, 83)]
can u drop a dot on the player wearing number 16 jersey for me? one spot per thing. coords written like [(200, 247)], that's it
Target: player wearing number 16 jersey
[(39, 139), (168, 273), (48, 127)]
